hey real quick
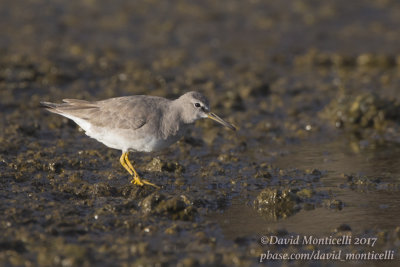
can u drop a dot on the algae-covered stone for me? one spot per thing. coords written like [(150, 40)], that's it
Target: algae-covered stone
[(158, 165), (177, 208), (150, 202), (55, 167), (305, 193), (277, 203), (362, 111), (139, 248), (343, 228), (188, 262), (334, 204), (357, 182)]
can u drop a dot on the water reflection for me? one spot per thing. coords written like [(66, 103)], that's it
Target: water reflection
[(364, 207)]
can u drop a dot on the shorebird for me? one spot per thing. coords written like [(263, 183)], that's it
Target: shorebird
[(139, 123)]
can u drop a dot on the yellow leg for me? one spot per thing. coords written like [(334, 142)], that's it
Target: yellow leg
[(124, 159), (123, 163)]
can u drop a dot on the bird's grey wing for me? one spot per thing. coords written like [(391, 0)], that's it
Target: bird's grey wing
[(121, 112)]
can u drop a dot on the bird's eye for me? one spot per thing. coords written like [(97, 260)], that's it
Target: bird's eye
[(197, 105)]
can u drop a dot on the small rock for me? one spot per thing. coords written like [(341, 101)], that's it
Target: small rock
[(55, 167), (188, 262), (343, 228), (277, 203), (150, 202), (156, 165), (177, 208), (305, 193)]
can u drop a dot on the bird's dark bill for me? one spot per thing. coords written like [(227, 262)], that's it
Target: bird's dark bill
[(221, 121)]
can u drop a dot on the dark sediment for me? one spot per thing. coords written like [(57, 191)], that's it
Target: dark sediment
[(290, 74)]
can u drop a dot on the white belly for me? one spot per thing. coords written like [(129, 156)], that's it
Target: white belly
[(122, 139)]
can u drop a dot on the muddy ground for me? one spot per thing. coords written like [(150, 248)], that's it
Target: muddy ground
[(313, 86)]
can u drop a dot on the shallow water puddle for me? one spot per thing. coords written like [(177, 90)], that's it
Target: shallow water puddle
[(365, 177)]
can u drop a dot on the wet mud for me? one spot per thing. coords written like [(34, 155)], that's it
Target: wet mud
[(312, 85)]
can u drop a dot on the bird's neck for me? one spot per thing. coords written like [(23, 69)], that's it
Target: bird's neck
[(178, 111), (173, 123)]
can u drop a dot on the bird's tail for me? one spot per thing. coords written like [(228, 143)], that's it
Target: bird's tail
[(69, 106), (52, 107)]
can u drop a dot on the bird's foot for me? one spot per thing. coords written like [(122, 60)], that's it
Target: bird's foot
[(137, 181)]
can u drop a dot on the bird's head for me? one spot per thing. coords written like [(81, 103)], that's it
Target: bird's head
[(196, 106)]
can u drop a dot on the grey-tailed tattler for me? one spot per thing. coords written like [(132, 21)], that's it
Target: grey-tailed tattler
[(137, 123)]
